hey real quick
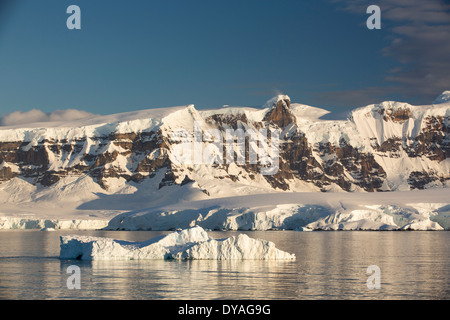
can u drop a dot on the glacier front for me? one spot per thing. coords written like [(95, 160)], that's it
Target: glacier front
[(188, 244)]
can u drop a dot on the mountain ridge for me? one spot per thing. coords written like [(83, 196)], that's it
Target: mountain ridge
[(381, 147)]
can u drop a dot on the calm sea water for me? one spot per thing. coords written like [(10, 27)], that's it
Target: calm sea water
[(329, 265)]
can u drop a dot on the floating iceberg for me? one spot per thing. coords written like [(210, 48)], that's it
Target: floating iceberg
[(189, 244)]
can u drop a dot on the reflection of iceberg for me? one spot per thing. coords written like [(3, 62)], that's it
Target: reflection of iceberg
[(186, 279), (189, 244)]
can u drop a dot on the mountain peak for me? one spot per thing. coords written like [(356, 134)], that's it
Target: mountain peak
[(280, 113), (282, 99), (443, 98)]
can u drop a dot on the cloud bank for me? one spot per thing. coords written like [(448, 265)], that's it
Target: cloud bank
[(419, 34), (36, 115)]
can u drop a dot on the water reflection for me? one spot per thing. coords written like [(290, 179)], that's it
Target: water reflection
[(329, 265), (206, 279)]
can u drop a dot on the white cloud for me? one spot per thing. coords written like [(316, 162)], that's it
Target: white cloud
[(36, 115)]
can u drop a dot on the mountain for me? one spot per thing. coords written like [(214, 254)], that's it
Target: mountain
[(156, 156), (443, 98)]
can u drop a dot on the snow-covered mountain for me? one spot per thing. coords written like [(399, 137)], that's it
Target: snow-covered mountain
[(95, 163)]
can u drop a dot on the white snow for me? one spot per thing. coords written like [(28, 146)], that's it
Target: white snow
[(246, 203), (273, 101), (51, 224), (309, 113), (145, 210), (421, 210), (134, 121), (443, 98), (189, 244), (48, 229), (369, 121)]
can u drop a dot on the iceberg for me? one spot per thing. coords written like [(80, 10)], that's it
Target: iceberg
[(188, 244)]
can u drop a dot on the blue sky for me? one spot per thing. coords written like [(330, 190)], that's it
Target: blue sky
[(139, 54)]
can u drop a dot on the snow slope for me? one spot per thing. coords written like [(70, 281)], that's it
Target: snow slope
[(104, 171), (189, 244), (133, 121), (443, 98)]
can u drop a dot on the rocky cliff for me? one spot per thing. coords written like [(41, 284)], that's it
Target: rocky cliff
[(381, 147)]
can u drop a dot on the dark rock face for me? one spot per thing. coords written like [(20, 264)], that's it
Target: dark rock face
[(364, 171), (281, 115), (135, 148), (390, 145), (418, 180), (433, 142), (222, 121), (398, 115), (6, 174), (137, 156)]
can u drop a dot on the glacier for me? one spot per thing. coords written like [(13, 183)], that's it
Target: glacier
[(385, 167), (23, 223), (188, 244), (304, 211)]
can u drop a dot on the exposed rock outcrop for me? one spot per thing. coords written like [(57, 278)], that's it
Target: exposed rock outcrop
[(359, 160)]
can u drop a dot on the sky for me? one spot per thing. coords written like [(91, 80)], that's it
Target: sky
[(140, 54)]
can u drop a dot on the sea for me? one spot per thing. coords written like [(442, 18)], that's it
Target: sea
[(329, 265)]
